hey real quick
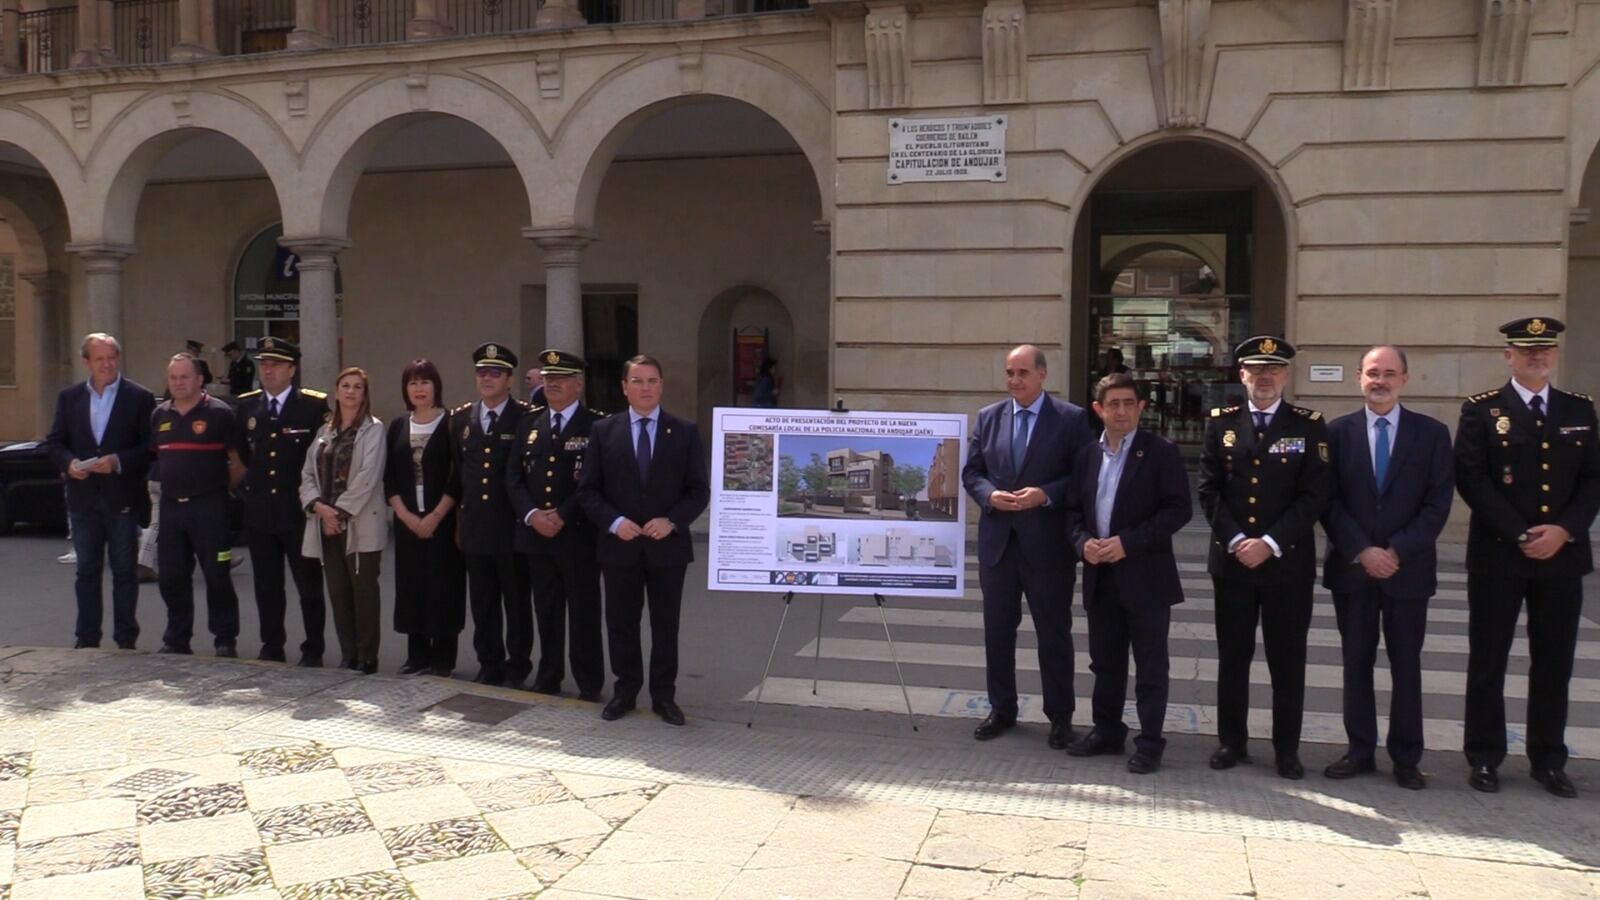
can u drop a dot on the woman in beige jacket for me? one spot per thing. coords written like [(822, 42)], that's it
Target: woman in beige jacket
[(341, 490)]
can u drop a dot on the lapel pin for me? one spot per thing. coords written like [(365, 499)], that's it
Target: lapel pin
[(1139, 453)]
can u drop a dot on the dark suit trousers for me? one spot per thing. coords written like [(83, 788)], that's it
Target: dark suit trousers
[(626, 587), (1404, 625), (1048, 587), (502, 616), (1113, 629), (1284, 611), (566, 593), (197, 529), (1554, 608), (98, 536), (268, 554)]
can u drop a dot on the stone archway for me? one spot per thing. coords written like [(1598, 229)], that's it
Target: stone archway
[(1581, 371), (746, 308)]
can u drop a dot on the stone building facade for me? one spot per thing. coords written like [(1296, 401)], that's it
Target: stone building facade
[(680, 174)]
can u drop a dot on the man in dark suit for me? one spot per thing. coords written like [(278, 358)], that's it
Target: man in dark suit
[(644, 482), (1019, 459), (100, 440), (1264, 482), (1528, 463), (1129, 496), (483, 437), (1393, 477), (280, 421), (558, 539)]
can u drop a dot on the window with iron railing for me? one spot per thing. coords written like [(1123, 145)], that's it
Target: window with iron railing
[(144, 31), (253, 26), (49, 38)]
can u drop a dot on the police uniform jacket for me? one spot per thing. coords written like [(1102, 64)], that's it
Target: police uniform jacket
[(1276, 486), (487, 523), (274, 452), (1515, 474), (543, 473)]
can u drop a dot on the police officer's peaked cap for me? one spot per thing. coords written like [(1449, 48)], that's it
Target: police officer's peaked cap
[(492, 354), (230, 346), (1535, 331), (195, 344), (1264, 350), (279, 349), (560, 362)]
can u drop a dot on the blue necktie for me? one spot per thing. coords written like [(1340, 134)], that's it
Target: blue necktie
[(1380, 453), (1261, 421), (1019, 440), (644, 450), (1536, 404)]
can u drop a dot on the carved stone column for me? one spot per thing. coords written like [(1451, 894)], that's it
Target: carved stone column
[(102, 269), (888, 57), (1005, 52), (1184, 24), (430, 18), (1504, 34), (559, 14), (313, 25), (1368, 44), (10, 26), (88, 52), (197, 30), (319, 315), (563, 284)]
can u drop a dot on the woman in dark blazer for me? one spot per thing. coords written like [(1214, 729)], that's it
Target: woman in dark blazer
[(429, 573)]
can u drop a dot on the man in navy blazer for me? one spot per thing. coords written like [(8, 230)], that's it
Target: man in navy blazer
[(1019, 458), (644, 483), (100, 440), (1129, 496), (1393, 482)]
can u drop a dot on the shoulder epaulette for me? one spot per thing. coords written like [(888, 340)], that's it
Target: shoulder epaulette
[(1479, 398), (534, 409), (315, 395), (1311, 414), (1584, 397), (463, 407), (248, 394), (1221, 411)]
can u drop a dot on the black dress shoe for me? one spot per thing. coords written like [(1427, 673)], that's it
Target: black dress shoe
[(86, 645), (668, 711), (227, 651), (1556, 782), (1093, 744), (1143, 763), (174, 648), (1483, 778), (272, 654), (993, 725), (370, 667), (589, 696), (1349, 767), (1060, 735), (1289, 766), (1410, 778), (490, 677), (441, 670), (127, 645), (412, 667), (310, 662), (545, 687), (616, 709), (347, 664), (1228, 757)]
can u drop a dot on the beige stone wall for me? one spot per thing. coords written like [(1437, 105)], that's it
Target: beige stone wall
[(22, 412), (437, 265)]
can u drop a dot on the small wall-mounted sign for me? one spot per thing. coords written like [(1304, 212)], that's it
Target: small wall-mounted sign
[(1327, 373)]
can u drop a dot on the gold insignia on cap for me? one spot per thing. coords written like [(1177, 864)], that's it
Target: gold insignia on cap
[(266, 344), (1502, 425), (491, 352), (1536, 326), (552, 357), (1269, 346)]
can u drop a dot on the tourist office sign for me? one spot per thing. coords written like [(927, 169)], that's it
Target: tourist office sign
[(946, 149), (827, 502)]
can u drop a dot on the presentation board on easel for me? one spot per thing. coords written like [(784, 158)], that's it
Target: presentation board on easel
[(828, 502)]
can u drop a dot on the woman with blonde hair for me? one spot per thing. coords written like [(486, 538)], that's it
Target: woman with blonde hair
[(341, 489)]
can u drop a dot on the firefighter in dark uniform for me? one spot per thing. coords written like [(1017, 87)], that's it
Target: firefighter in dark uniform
[(483, 437), (280, 420), (1528, 464), (1264, 482), (557, 537), (197, 441)]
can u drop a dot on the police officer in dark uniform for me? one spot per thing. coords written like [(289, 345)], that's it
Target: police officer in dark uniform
[(279, 422), (483, 437), (241, 371), (557, 537), (1528, 464), (1264, 482), (197, 440)]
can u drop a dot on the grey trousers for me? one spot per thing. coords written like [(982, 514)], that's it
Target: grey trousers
[(353, 598)]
